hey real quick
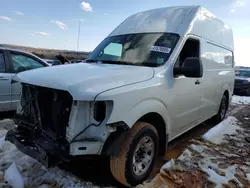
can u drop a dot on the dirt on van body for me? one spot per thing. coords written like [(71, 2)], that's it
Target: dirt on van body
[(220, 158)]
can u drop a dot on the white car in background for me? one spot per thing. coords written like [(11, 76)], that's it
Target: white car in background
[(13, 62)]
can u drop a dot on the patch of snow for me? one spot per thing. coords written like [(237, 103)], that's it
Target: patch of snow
[(214, 177), (13, 177), (33, 173), (168, 165), (3, 132), (216, 134), (197, 148), (248, 176), (229, 155), (2, 141), (240, 100), (6, 120), (186, 154), (218, 175)]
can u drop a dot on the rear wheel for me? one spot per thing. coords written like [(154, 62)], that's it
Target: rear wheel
[(138, 153), (222, 110)]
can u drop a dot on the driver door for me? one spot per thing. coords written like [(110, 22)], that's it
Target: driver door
[(20, 62), (186, 104)]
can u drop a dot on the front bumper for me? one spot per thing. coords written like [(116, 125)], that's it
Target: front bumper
[(241, 89), (40, 148)]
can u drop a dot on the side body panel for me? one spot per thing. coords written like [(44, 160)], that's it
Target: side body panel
[(218, 76), (5, 83)]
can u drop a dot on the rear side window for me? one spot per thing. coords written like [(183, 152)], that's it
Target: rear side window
[(2, 63), (219, 55)]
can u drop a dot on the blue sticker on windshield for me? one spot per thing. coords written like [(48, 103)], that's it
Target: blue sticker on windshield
[(160, 60), (161, 49)]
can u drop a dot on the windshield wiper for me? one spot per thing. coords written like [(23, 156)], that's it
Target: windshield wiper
[(109, 62), (91, 60), (117, 62), (147, 64)]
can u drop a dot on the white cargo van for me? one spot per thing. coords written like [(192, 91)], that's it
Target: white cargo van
[(157, 75)]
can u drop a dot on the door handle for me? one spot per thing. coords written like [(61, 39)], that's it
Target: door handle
[(3, 78), (197, 82)]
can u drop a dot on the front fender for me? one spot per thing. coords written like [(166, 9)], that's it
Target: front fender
[(132, 114), (132, 102)]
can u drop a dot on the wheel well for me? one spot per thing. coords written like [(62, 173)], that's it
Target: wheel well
[(157, 121), (226, 93)]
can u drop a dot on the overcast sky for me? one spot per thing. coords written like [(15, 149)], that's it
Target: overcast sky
[(54, 23)]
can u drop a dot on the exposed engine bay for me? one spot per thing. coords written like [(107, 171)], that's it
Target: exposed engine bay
[(51, 125)]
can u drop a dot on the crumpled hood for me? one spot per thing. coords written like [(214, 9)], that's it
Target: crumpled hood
[(84, 81)]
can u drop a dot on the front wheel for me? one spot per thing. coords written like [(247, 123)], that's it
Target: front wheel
[(138, 153)]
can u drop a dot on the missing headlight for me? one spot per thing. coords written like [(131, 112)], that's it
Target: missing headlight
[(99, 111)]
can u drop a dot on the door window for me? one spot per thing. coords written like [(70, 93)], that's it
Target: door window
[(190, 49), (22, 62), (2, 63), (114, 49), (112, 52)]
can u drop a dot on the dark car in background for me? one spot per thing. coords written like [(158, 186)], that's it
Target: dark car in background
[(242, 82)]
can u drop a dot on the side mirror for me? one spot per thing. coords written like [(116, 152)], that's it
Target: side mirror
[(192, 68)]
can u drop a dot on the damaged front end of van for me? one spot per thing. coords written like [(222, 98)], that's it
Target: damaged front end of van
[(52, 127), (59, 116)]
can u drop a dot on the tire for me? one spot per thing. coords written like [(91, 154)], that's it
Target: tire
[(219, 117), (122, 166)]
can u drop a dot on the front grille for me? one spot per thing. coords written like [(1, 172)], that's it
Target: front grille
[(46, 108)]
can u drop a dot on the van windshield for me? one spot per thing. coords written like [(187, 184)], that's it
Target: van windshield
[(142, 49)]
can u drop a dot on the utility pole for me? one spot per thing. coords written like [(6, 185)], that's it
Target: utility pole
[(79, 30)]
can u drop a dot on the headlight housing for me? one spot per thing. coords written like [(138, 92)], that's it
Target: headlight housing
[(99, 111)]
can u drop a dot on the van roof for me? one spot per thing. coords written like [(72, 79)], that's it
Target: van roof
[(182, 20), (156, 20)]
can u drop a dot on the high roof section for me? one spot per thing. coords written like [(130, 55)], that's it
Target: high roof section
[(156, 20), (181, 20)]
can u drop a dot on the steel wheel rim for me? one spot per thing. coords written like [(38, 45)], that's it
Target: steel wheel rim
[(143, 155)]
